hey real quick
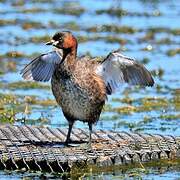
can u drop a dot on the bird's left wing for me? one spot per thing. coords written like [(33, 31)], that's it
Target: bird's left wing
[(42, 67), (117, 69)]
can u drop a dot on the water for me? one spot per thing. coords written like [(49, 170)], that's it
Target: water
[(153, 38)]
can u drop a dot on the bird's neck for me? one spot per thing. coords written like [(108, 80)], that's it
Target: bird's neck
[(69, 59)]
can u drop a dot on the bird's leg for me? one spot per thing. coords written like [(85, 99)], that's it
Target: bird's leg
[(69, 132), (90, 134)]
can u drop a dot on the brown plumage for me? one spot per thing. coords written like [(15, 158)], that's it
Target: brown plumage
[(81, 85)]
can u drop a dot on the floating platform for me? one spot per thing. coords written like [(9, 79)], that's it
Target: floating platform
[(42, 148)]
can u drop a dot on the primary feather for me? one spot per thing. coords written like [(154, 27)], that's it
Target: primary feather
[(42, 67), (117, 69)]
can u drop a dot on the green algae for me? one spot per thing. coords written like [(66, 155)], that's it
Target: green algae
[(33, 100), (9, 107), (169, 116), (18, 3), (71, 25), (7, 66), (38, 39), (158, 73), (125, 171), (121, 12), (5, 22), (175, 31), (125, 99), (165, 40), (113, 12), (113, 39), (76, 11), (149, 47), (145, 104), (26, 85), (136, 105), (150, 103), (13, 54), (173, 52), (39, 121), (113, 28), (33, 10), (32, 24), (125, 109), (145, 60), (109, 39), (148, 36)]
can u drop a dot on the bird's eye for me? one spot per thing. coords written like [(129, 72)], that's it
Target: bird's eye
[(60, 39)]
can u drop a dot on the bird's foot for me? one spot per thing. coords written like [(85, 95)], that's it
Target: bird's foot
[(67, 142)]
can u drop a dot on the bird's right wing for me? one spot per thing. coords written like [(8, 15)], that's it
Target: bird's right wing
[(42, 67)]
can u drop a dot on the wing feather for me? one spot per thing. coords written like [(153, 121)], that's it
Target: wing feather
[(42, 67), (117, 69)]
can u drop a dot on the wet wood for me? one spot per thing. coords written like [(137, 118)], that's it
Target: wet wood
[(42, 148)]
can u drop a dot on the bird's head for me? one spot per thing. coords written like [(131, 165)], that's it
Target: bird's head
[(63, 40)]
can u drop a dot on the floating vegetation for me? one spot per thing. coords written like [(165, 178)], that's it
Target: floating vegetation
[(143, 104), (126, 100), (9, 107), (121, 12), (125, 109), (75, 11), (113, 12), (148, 36), (7, 116), (5, 22), (170, 116), (71, 25), (32, 24), (18, 3), (173, 52), (24, 24), (113, 28), (33, 10), (42, 102), (113, 39), (145, 60), (175, 31), (109, 39), (38, 39), (149, 47), (158, 72), (7, 66), (26, 85), (149, 104), (13, 54), (165, 41)]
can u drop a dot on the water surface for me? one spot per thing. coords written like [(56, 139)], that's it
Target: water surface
[(146, 30)]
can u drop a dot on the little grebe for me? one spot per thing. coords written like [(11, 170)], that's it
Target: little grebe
[(81, 85)]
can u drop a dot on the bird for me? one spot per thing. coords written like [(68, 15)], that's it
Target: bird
[(81, 85)]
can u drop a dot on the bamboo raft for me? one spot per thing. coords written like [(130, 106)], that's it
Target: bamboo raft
[(41, 148)]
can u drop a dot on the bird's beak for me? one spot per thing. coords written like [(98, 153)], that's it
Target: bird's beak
[(52, 42)]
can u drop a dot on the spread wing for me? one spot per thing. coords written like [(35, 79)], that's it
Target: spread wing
[(117, 69), (42, 67)]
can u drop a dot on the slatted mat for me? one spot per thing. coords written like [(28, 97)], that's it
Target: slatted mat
[(42, 149)]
